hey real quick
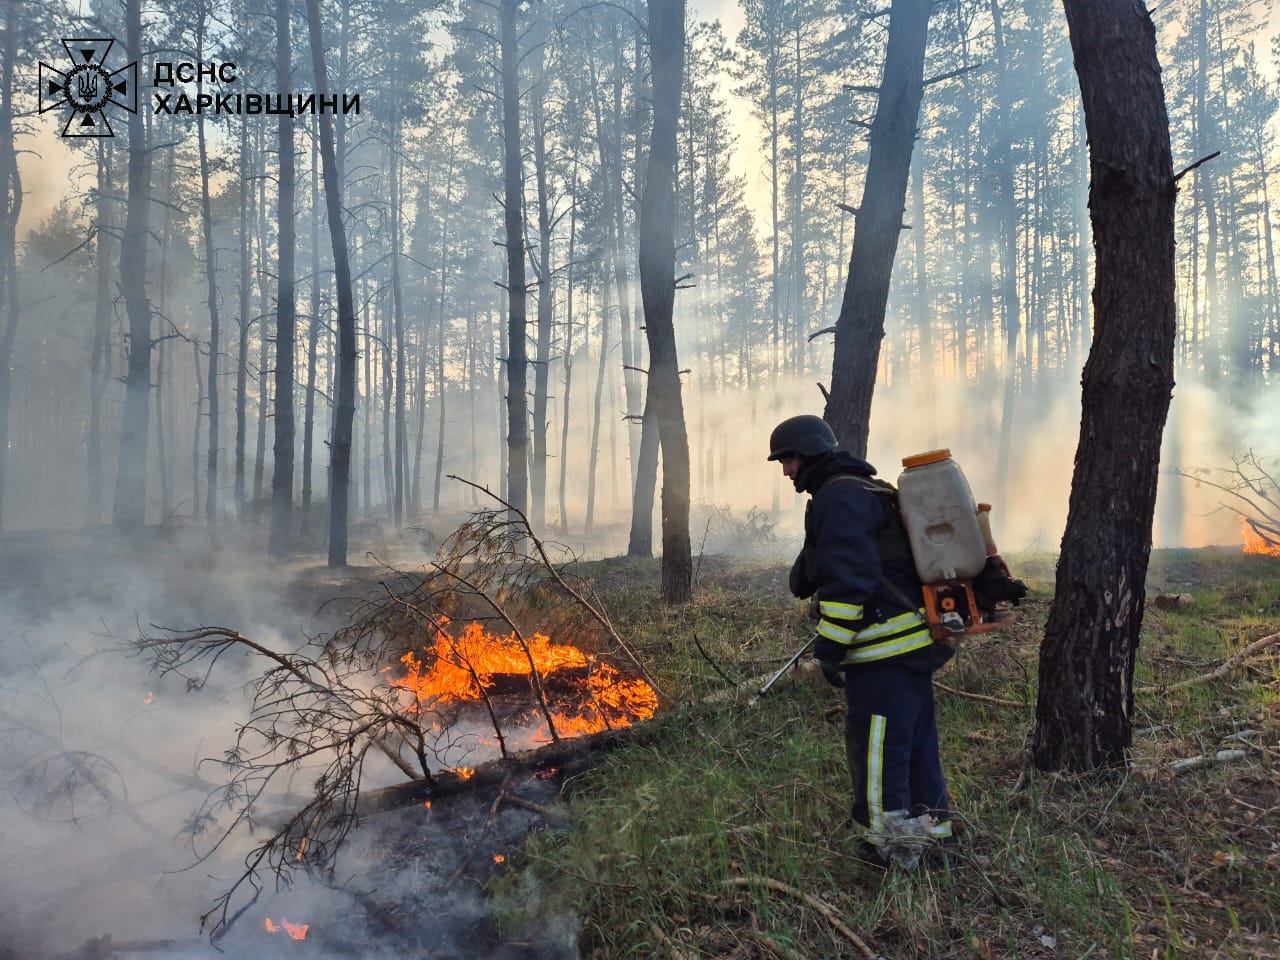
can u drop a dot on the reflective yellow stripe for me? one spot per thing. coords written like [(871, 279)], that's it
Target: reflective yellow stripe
[(915, 640), (893, 625), (875, 772), (829, 630), (940, 831), (841, 611)]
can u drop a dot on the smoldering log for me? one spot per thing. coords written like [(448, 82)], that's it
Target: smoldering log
[(565, 757)]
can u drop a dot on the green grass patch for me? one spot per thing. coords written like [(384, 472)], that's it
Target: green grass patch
[(704, 838)]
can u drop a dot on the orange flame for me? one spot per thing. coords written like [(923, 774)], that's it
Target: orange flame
[(461, 666), (296, 930), (148, 698), (1257, 541), (499, 858)]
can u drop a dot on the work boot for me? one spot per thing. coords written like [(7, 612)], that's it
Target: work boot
[(870, 854), (945, 855)]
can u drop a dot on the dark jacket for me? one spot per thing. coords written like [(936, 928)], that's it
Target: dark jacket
[(857, 563)]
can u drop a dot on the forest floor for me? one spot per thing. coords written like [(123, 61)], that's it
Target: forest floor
[(724, 832), (728, 834)]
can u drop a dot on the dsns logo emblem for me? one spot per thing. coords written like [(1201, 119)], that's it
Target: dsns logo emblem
[(88, 87)]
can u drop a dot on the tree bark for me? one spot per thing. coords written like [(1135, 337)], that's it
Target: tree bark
[(314, 325), (401, 464), (860, 326), (658, 291), (546, 310), (99, 351), (1006, 202), (286, 312), (1084, 712), (211, 287), (344, 413), (513, 215), (130, 506), (245, 322), (10, 207)]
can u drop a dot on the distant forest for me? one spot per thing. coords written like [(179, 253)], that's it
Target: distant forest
[(224, 236)]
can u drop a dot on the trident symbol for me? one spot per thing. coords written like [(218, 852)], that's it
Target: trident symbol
[(87, 87)]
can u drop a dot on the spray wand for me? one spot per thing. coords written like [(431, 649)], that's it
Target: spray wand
[(788, 665)]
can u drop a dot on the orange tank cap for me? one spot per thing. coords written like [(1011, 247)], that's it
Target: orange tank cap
[(924, 459)]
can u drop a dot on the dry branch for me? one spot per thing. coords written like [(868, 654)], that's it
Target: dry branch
[(1223, 669), (981, 698), (828, 912), (677, 952)]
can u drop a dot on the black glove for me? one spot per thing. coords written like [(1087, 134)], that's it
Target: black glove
[(834, 675), (799, 584), (828, 653)]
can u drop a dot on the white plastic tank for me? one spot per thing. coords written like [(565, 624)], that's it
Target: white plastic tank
[(941, 517)]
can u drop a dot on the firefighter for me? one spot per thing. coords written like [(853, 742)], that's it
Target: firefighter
[(872, 641)]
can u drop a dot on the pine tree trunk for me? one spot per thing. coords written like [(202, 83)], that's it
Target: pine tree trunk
[(597, 411), (397, 300), (211, 286), (345, 402), (513, 213), (245, 323), (10, 208), (1007, 206), (100, 349), (313, 339), (658, 290), (286, 311), (877, 225), (546, 295), (129, 511), (1085, 706)]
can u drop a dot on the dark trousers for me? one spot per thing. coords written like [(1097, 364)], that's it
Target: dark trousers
[(891, 737)]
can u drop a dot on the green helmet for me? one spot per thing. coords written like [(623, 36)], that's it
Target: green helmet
[(802, 436)]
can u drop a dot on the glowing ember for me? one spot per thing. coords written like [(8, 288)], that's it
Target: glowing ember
[(499, 858), (461, 666), (296, 930), (1259, 539), (465, 773)]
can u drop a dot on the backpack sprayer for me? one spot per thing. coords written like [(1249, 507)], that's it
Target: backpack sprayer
[(966, 583)]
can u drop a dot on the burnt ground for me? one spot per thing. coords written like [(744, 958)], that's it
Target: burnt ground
[(102, 763), (412, 883)]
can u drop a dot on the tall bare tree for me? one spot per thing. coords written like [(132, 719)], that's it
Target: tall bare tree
[(877, 225), (130, 508), (1085, 707), (210, 271), (286, 310), (517, 296), (344, 411), (10, 207), (663, 400)]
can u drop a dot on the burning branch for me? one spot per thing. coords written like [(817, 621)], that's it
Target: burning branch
[(302, 712), (411, 662), (1254, 496), (591, 605)]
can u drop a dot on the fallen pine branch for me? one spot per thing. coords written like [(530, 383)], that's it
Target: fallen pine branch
[(1222, 669), (773, 947), (1222, 756), (828, 912), (566, 757), (981, 698), (677, 952)]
